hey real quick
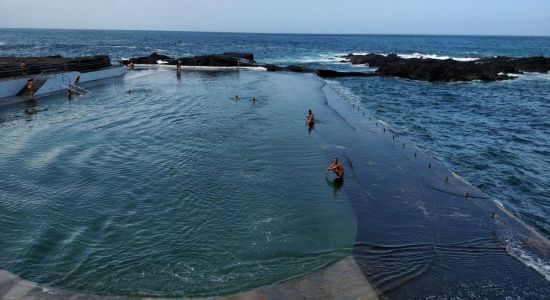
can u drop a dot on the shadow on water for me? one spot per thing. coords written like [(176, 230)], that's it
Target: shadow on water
[(31, 109), (310, 127), (336, 184)]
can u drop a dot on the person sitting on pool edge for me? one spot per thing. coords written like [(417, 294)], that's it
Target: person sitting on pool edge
[(310, 118), (337, 168)]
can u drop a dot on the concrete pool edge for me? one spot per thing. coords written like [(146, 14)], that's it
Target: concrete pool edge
[(342, 279)]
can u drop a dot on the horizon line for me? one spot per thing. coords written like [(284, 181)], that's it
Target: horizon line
[(279, 33)]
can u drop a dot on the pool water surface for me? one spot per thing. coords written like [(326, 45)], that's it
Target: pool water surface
[(159, 186)]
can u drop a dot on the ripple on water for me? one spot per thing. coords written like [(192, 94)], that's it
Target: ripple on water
[(171, 190)]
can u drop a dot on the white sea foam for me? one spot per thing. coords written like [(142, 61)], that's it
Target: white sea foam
[(532, 76), (541, 266), (334, 58), (435, 56), (424, 56), (161, 62)]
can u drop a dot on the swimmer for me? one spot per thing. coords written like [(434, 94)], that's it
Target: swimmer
[(69, 94), (77, 80), (129, 91), (253, 100), (236, 97), (310, 118), (337, 168)]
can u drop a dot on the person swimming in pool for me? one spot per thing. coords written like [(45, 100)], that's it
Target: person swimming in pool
[(337, 168), (310, 119)]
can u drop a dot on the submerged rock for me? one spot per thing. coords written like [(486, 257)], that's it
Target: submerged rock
[(449, 70)]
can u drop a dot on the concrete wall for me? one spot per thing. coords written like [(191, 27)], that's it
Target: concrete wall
[(11, 87), (57, 82)]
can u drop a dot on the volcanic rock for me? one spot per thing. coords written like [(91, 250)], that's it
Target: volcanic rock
[(332, 74), (449, 70)]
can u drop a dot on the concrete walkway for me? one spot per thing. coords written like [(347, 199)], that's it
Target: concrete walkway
[(342, 280)]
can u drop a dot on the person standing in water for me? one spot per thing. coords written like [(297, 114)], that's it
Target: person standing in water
[(337, 168), (178, 68), (310, 118), (30, 87)]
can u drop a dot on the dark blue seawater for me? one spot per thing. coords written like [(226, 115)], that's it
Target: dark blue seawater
[(495, 135)]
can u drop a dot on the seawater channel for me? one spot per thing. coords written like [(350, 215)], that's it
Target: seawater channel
[(164, 186)]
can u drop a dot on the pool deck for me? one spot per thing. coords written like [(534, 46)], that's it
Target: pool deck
[(342, 280)]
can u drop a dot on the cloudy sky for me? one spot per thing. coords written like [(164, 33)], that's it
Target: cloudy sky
[(483, 17)]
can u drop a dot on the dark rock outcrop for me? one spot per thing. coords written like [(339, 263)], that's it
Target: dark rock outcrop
[(228, 59), (150, 60), (242, 55), (289, 68), (434, 70), (373, 60), (211, 61), (333, 74)]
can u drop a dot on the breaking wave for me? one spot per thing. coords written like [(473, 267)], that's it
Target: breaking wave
[(424, 56)]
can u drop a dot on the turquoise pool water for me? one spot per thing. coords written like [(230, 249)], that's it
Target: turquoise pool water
[(173, 189)]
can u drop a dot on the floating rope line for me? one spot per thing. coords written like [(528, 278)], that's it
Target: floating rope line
[(344, 97)]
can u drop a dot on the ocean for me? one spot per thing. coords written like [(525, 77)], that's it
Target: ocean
[(495, 135)]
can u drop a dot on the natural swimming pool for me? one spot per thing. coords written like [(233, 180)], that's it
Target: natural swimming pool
[(172, 189), (178, 189)]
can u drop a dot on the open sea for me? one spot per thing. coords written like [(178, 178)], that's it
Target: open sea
[(495, 135)]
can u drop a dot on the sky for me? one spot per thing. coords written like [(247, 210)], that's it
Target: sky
[(468, 17)]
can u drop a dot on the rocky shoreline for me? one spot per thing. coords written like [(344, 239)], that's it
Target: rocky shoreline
[(449, 70), (392, 65)]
